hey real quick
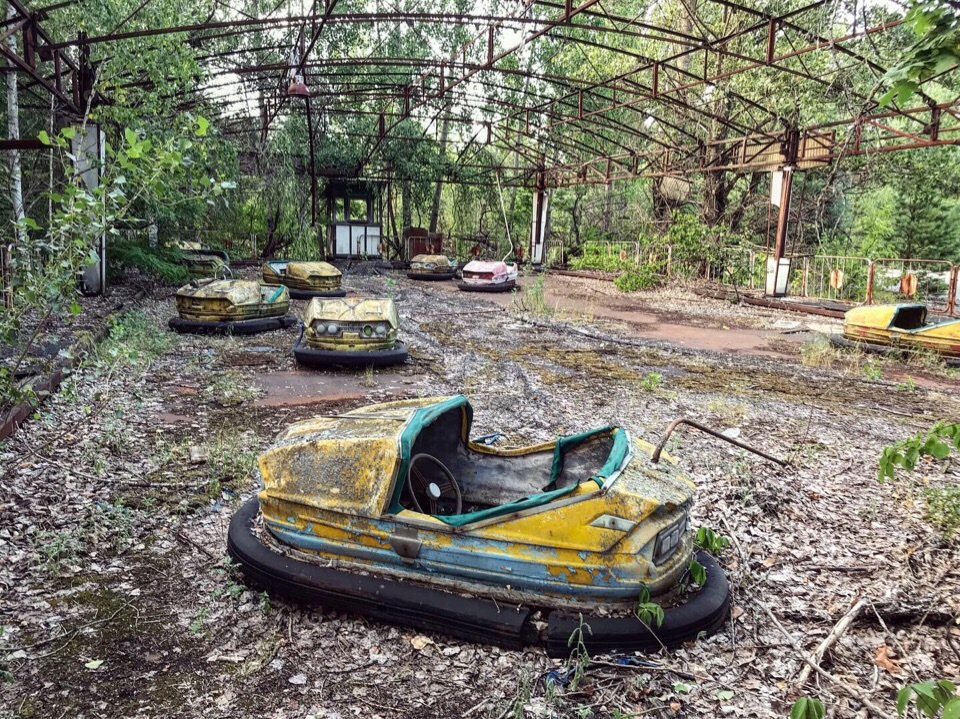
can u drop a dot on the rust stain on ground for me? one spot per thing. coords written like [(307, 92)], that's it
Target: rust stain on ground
[(573, 296), (295, 387)]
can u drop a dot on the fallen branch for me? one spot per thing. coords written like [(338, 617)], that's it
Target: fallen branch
[(851, 691), (839, 629)]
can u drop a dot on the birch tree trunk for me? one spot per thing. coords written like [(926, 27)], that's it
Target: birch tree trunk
[(16, 173)]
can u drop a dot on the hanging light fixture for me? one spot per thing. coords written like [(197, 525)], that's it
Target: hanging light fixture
[(297, 87)]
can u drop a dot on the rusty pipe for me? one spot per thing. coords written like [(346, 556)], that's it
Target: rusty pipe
[(655, 457)]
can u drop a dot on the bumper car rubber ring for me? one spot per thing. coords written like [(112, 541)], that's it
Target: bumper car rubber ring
[(234, 327)]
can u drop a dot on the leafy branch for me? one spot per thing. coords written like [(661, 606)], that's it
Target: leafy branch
[(936, 25), (936, 443)]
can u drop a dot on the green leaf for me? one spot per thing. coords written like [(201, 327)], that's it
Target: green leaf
[(903, 698), (681, 688), (724, 695), (95, 664), (952, 709), (202, 125), (130, 136), (44, 137), (697, 572), (807, 708), (68, 132)]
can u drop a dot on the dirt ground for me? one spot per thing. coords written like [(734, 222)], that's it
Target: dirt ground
[(117, 600)]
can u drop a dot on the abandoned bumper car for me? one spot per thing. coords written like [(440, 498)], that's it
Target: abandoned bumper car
[(391, 511), (432, 267), (305, 280), (352, 332), (481, 276), (201, 261), (900, 328), (239, 307)]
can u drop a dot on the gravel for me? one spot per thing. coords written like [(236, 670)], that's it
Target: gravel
[(112, 531)]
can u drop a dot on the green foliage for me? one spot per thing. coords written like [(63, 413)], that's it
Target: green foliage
[(651, 381), (649, 612), (931, 697), (698, 573), (643, 277), (943, 508), (711, 541), (936, 49), (807, 708), (873, 371), (139, 172), (160, 262), (135, 339), (936, 443)]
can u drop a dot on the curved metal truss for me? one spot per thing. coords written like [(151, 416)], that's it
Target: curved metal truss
[(565, 91)]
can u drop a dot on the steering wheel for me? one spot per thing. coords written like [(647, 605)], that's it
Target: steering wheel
[(438, 496)]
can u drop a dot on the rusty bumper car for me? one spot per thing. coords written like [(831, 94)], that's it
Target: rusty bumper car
[(202, 261), (393, 512), (305, 280), (239, 307), (432, 268), (900, 329), (480, 276), (351, 332)]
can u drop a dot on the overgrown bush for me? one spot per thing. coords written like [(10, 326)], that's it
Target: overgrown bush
[(162, 263), (644, 277)]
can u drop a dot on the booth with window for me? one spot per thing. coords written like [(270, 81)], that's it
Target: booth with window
[(354, 211)]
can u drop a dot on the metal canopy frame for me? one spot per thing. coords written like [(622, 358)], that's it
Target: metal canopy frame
[(632, 116)]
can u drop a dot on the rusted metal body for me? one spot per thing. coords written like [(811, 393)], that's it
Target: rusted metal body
[(351, 325), (230, 300), (583, 524), (319, 278), (432, 267), (902, 327)]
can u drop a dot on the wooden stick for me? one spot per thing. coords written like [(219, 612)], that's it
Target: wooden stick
[(839, 629), (852, 692)]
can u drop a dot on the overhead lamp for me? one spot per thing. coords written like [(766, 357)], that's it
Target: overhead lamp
[(297, 87)]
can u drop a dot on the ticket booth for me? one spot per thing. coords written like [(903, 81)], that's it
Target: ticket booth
[(354, 211)]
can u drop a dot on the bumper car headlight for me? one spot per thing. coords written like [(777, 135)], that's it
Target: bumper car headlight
[(668, 540), (429, 266), (332, 328), (381, 330)]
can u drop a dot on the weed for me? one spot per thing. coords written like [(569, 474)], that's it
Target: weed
[(651, 381), (198, 620), (579, 656), (925, 359), (943, 508), (134, 338), (644, 277), (873, 371), (229, 458), (56, 547), (711, 541), (534, 300), (230, 388), (108, 526), (931, 697), (368, 379), (807, 708), (908, 386), (728, 411), (818, 352), (648, 612)]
